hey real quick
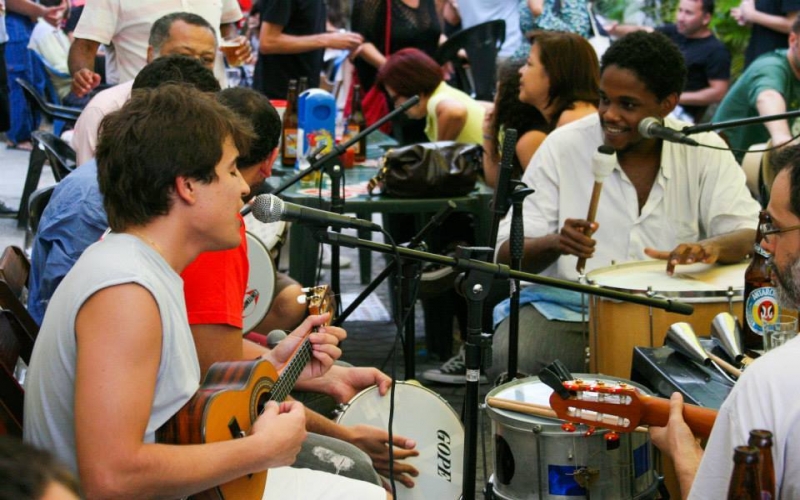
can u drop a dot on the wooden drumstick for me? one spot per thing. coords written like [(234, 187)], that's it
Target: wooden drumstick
[(603, 162), (531, 409), (732, 370)]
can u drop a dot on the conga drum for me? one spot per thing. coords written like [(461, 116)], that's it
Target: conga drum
[(615, 327)]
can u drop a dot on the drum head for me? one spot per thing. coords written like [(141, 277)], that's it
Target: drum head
[(690, 283), (260, 284), (422, 415), (271, 234)]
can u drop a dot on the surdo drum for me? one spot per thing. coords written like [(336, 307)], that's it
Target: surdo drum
[(615, 328)]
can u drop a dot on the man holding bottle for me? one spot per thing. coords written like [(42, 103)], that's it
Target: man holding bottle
[(761, 398)]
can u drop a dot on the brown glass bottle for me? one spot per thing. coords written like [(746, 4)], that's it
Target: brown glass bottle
[(745, 480), (354, 124), (760, 301), (762, 440), (289, 135), (302, 85)]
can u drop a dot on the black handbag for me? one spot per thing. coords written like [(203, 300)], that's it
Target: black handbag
[(429, 170)]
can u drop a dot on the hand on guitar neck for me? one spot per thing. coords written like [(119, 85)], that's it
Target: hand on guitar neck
[(324, 338)]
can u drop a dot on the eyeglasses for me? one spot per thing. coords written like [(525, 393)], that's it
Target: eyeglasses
[(768, 229)]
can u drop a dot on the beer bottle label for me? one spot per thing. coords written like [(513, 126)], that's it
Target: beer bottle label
[(291, 143), (352, 130), (761, 308), (760, 251)]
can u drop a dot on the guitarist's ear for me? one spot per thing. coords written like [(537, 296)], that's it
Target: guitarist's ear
[(185, 189)]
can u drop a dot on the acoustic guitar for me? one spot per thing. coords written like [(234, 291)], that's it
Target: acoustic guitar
[(622, 407), (232, 396)]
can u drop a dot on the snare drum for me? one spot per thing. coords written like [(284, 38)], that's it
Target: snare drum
[(422, 415), (535, 458), (260, 283), (617, 327)]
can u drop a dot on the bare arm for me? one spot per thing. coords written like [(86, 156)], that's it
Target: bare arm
[(727, 248), (272, 40), (620, 30), (770, 102), (370, 53), (451, 116), (536, 6), (714, 93), (527, 146), (747, 13), (118, 332), (81, 66)]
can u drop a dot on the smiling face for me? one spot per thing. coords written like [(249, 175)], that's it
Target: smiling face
[(534, 82), (624, 101)]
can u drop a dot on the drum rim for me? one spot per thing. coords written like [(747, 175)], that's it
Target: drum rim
[(685, 295), (251, 239)]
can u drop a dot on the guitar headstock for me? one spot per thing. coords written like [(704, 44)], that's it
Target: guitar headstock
[(319, 300), (602, 403)]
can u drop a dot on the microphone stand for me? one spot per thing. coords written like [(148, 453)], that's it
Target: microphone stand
[(475, 286), (705, 127), (409, 270)]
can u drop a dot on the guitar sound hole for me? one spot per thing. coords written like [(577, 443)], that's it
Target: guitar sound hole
[(263, 399)]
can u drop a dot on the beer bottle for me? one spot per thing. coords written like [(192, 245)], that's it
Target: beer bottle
[(355, 123), (289, 135), (745, 481), (760, 301), (762, 440), (302, 86)]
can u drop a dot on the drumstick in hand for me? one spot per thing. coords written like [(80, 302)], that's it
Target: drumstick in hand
[(603, 163)]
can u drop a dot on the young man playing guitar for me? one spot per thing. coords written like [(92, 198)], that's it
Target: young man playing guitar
[(214, 285), (762, 397), (115, 358)]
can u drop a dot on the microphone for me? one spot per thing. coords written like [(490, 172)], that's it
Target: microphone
[(274, 338), (270, 208), (652, 128), (603, 162)]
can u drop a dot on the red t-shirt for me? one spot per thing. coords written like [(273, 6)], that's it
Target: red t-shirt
[(214, 285)]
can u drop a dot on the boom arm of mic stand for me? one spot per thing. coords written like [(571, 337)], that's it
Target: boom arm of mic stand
[(338, 149), (503, 271), (705, 127)]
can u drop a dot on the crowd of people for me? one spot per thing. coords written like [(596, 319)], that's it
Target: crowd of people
[(126, 263)]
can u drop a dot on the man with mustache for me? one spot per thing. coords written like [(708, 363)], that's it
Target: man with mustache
[(761, 398)]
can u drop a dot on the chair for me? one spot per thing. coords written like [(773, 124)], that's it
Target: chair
[(36, 205), (53, 112), (60, 155), (478, 74), (14, 271), (15, 344)]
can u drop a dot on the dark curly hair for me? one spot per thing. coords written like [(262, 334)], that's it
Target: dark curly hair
[(510, 112), (653, 57)]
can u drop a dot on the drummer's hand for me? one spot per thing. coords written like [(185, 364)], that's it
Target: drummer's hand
[(344, 382), (324, 346), (686, 253), (572, 239), (677, 441), (375, 443)]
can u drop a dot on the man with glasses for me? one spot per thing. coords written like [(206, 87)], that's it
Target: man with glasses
[(761, 399)]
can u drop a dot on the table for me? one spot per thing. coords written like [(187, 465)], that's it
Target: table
[(304, 250)]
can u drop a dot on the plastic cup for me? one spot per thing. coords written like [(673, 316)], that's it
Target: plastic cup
[(779, 332)]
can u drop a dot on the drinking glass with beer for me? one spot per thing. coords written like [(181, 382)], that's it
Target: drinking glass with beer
[(236, 50)]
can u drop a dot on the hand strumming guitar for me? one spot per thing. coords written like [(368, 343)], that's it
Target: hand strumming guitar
[(324, 346)]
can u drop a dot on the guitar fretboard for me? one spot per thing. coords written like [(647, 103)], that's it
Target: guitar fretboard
[(285, 383)]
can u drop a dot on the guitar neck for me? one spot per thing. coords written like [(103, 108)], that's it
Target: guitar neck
[(655, 411), (285, 383)]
